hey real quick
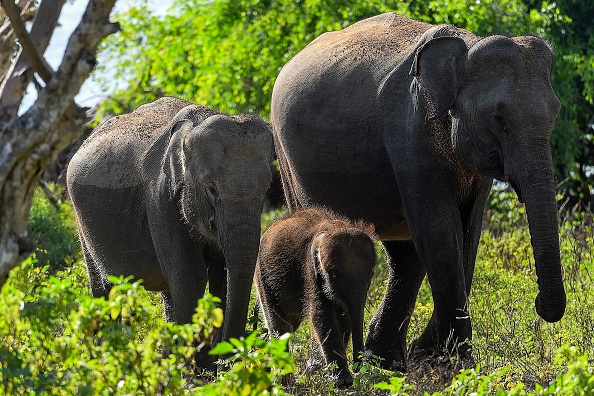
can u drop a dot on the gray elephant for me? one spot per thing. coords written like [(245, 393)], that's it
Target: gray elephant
[(317, 265), (405, 125), (172, 194)]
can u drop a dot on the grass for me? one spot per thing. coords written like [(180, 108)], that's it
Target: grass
[(515, 350)]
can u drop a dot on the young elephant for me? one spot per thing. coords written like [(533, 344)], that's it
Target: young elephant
[(172, 194), (318, 265)]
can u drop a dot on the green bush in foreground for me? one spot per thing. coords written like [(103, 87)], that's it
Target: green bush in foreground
[(57, 340)]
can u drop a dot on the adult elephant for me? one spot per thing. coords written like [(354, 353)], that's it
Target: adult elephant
[(172, 194), (404, 125)]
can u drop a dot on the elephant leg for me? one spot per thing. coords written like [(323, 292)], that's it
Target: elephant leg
[(100, 286), (180, 258), (472, 217), (344, 326), (167, 306), (186, 285), (286, 179), (387, 331), (327, 339), (217, 280), (437, 230), (275, 319)]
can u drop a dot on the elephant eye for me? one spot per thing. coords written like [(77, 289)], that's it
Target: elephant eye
[(212, 194), (499, 120)]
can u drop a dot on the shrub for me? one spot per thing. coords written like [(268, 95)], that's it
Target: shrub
[(58, 340), (53, 228)]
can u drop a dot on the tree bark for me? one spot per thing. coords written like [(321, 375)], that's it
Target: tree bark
[(29, 141), (7, 34)]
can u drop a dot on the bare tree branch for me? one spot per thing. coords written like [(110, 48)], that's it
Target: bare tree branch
[(13, 88), (28, 142), (35, 58), (24, 5), (7, 35)]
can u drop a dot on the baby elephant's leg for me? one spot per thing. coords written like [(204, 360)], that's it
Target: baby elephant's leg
[(327, 339), (275, 319)]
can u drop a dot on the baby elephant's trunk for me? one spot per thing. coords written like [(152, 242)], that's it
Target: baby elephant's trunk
[(356, 316)]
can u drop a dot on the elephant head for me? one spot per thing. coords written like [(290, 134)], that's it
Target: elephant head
[(496, 95), (345, 259), (220, 168)]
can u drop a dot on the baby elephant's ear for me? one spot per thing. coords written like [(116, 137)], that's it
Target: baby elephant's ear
[(316, 253)]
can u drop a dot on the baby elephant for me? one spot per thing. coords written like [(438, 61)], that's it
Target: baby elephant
[(318, 265)]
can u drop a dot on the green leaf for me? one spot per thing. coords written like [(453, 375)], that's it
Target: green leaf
[(222, 348)]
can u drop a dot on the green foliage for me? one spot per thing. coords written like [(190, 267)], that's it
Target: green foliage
[(397, 386), (223, 54), (53, 229), (257, 366), (577, 380), (486, 17), (58, 340)]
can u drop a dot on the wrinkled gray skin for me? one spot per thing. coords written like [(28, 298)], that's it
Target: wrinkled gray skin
[(172, 194), (404, 125), (317, 265)]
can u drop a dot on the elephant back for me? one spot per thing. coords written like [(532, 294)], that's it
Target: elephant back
[(143, 124), (111, 156)]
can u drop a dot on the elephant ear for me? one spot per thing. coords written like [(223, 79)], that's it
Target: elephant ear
[(316, 254), (165, 155), (435, 68)]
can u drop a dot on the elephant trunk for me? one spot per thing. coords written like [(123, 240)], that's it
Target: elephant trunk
[(534, 183), (239, 236), (356, 317)]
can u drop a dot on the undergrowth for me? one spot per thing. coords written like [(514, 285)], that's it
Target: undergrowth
[(58, 340)]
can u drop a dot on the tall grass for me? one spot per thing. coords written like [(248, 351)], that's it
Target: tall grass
[(56, 339)]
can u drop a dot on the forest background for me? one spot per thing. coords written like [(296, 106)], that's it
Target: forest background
[(226, 54)]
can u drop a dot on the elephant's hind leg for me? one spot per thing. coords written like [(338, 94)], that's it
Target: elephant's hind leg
[(287, 181), (100, 286), (387, 330), (168, 306)]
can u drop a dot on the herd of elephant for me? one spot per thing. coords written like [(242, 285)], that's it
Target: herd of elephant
[(390, 130)]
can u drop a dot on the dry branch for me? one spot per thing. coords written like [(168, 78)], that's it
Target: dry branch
[(35, 58), (28, 142)]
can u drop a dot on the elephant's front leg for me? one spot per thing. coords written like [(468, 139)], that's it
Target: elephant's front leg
[(437, 230), (471, 213), (217, 280), (182, 265), (386, 338), (327, 338)]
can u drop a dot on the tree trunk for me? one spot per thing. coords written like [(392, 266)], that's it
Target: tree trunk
[(29, 141)]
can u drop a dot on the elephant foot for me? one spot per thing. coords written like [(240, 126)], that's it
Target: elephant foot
[(341, 376), (443, 364), (387, 355), (427, 346), (386, 360)]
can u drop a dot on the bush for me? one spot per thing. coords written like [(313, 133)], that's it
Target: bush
[(58, 340), (53, 229)]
